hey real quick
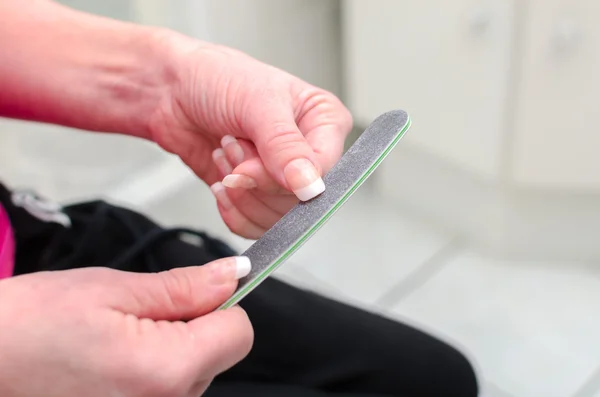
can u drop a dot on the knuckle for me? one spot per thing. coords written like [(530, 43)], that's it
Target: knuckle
[(178, 286), (285, 139), (347, 121)]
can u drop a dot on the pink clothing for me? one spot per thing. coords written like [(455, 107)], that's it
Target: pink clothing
[(7, 245)]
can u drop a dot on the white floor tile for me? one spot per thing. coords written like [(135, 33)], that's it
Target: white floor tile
[(591, 388), (487, 389), (300, 278), (533, 329), (366, 248)]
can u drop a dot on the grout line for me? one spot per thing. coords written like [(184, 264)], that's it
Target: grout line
[(591, 385), (496, 391), (314, 282), (520, 15), (420, 275), (329, 291)]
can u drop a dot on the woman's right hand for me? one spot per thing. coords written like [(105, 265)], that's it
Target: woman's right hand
[(98, 332)]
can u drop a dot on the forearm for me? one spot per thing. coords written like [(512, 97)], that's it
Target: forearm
[(61, 66)]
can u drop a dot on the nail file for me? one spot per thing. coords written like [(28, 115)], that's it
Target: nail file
[(297, 226)]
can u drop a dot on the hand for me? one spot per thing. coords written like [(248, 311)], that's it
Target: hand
[(99, 332), (277, 134), (267, 135)]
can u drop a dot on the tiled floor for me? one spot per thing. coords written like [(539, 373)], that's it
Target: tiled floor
[(531, 329), (530, 326)]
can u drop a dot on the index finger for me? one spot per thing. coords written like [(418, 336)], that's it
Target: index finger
[(328, 145), (220, 340)]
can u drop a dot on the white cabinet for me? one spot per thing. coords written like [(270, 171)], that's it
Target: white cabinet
[(446, 63), (505, 98), (556, 137), (504, 89)]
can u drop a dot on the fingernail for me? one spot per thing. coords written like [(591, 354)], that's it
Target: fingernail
[(229, 269), (242, 266), (220, 194), (303, 179), (221, 161), (234, 149), (236, 181)]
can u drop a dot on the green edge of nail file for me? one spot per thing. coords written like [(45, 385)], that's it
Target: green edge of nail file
[(296, 227)]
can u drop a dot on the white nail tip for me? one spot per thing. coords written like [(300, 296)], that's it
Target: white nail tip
[(231, 181), (217, 187), (242, 266), (236, 181), (311, 191), (227, 139), (218, 153)]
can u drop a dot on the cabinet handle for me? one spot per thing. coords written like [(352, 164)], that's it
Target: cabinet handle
[(480, 19), (566, 36)]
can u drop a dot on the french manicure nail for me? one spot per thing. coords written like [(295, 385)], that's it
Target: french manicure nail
[(242, 266), (221, 161), (220, 194), (303, 179), (233, 148), (236, 181), (229, 269)]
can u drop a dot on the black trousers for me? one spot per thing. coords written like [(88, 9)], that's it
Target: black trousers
[(305, 345)]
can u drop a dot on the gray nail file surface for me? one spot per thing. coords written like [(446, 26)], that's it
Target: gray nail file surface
[(297, 226)]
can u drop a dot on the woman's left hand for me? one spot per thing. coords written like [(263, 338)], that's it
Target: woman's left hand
[(260, 137)]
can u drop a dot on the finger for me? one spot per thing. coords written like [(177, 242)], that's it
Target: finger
[(220, 340), (180, 293), (283, 149), (328, 144), (195, 151), (221, 162), (237, 222), (248, 200), (237, 150), (326, 126), (280, 204), (249, 171), (252, 175), (326, 123), (192, 353), (249, 205)]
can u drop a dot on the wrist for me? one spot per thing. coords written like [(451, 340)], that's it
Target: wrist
[(140, 84), (133, 74), (83, 71)]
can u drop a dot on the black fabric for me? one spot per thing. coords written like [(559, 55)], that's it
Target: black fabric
[(305, 344), (104, 235)]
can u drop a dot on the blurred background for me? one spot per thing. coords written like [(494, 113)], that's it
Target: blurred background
[(482, 227)]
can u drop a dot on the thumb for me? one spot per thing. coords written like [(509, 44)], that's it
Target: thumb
[(225, 337), (181, 293), (284, 150)]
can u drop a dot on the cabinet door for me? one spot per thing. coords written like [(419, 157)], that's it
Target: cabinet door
[(446, 63), (557, 134)]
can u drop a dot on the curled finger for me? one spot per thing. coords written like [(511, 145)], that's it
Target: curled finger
[(237, 222)]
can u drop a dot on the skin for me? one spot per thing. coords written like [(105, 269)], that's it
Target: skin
[(101, 332), (233, 120)]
